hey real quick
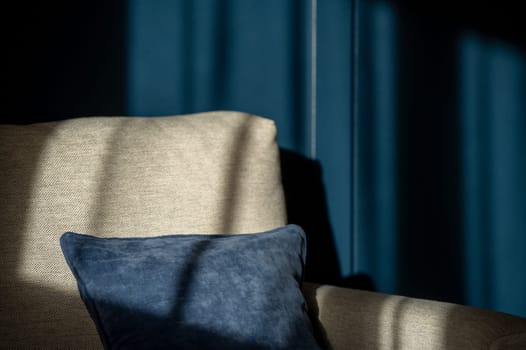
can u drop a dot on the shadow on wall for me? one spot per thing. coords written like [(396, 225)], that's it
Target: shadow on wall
[(64, 59), (431, 244), (307, 207), (451, 115), (458, 141)]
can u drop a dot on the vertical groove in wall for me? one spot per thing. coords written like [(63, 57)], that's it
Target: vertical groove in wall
[(313, 74), (354, 134)]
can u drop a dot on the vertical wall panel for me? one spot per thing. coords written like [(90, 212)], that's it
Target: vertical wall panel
[(376, 131), (335, 119), (506, 70), (493, 111), (191, 56), (476, 168)]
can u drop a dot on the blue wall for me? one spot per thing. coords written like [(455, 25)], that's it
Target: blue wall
[(413, 113), (414, 116), (441, 197)]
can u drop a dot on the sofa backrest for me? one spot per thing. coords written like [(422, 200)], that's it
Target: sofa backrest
[(215, 172)]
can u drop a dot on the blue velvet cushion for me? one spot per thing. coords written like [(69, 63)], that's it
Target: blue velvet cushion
[(194, 291)]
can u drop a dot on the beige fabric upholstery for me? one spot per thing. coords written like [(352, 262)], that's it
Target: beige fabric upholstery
[(111, 176), (353, 319), (211, 172)]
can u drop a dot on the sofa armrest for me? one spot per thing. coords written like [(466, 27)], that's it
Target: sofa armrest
[(354, 319)]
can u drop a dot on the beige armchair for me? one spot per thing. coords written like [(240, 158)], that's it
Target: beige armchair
[(215, 172)]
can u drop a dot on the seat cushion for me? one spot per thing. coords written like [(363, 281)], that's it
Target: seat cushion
[(195, 291), (213, 172)]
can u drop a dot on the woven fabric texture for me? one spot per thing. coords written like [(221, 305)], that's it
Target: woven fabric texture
[(355, 319), (215, 172)]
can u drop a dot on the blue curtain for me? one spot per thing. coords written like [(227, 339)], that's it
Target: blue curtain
[(416, 116)]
